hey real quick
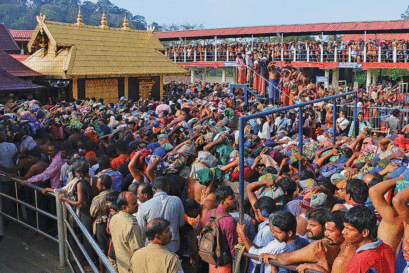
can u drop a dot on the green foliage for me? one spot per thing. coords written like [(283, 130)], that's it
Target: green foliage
[(21, 14)]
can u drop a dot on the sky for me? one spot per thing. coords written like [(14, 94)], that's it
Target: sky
[(228, 13)]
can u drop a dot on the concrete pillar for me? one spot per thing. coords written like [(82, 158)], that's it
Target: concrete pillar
[(192, 75), (374, 80), (326, 75), (223, 75), (335, 79), (368, 78), (204, 74)]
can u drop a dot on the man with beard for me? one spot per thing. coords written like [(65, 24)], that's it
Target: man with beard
[(325, 254), (316, 223)]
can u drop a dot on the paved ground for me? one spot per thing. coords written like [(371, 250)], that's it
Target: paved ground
[(24, 252)]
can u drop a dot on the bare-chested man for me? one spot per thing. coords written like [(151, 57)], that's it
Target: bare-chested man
[(273, 77), (331, 254), (390, 229), (37, 165)]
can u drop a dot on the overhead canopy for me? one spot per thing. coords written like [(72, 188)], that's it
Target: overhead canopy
[(70, 51), (398, 26), (7, 42)]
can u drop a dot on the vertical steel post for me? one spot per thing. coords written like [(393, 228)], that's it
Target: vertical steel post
[(246, 96), (60, 228), (356, 129), (1, 209), (300, 138), (242, 122), (334, 120)]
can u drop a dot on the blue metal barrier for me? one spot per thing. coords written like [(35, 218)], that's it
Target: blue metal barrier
[(243, 120)]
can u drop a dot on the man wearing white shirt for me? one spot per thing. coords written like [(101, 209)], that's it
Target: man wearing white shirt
[(262, 242), (263, 208), (281, 123), (264, 131)]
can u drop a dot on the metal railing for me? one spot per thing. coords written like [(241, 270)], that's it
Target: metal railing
[(276, 263), (308, 53), (64, 229)]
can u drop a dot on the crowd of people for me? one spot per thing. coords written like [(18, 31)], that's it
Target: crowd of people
[(156, 182), (278, 51)]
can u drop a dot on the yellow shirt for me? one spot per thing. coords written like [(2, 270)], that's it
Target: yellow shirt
[(155, 258), (127, 236)]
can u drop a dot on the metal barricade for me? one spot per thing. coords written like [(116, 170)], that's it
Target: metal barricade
[(62, 210)]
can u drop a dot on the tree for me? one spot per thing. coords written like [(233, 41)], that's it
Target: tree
[(405, 15)]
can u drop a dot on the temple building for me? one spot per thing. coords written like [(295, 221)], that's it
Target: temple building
[(99, 61)]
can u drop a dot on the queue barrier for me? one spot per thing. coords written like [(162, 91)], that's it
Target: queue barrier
[(65, 230)]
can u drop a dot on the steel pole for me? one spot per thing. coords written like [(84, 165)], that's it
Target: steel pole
[(242, 123), (334, 120), (300, 124), (60, 227), (356, 115)]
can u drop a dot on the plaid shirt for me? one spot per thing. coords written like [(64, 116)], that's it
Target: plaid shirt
[(52, 172)]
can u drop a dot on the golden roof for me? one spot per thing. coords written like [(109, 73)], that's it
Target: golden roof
[(89, 51)]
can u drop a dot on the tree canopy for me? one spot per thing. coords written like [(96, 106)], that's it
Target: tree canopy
[(21, 14)]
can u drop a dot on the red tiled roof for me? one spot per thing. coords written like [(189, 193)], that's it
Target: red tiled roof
[(6, 40), (381, 36), (300, 29), (19, 57), (11, 83), (15, 67), (21, 35)]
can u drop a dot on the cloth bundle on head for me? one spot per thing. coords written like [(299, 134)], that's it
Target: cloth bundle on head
[(230, 113), (141, 163), (339, 180), (90, 132), (210, 176), (164, 142), (307, 183), (161, 166), (248, 172), (204, 160), (76, 123), (316, 200)]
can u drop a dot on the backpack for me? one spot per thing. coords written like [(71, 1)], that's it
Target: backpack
[(210, 249)]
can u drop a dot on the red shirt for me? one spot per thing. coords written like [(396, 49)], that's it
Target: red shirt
[(118, 161), (376, 255)]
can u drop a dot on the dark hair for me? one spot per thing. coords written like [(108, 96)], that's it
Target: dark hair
[(56, 145), (306, 174), (326, 182), (358, 190), (191, 204), (269, 169), (336, 217), (34, 152), (266, 203), (146, 188), (319, 215), (375, 180), (361, 218), (90, 145), (222, 193), (133, 187), (122, 146), (348, 152), (285, 221), (105, 181), (121, 201), (104, 162), (287, 185), (114, 206), (161, 183), (155, 227), (112, 196), (81, 167)]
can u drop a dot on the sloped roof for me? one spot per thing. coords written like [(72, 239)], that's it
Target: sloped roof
[(15, 67), (11, 83), (7, 42), (89, 51), (290, 30), (21, 35)]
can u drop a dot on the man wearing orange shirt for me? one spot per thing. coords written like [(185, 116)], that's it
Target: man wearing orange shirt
[(122, 150)]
